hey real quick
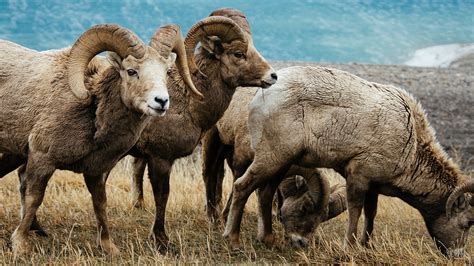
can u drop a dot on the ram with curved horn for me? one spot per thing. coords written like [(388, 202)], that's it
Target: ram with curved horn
[(376, 136), (225, 59), (70, 110)]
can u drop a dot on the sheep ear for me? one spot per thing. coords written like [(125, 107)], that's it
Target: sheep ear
[(171, 59), (299, 182), (213, 45), (115, 60)]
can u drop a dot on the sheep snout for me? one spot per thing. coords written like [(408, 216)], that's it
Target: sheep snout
[(298, 241), (158, 103), (269, 79)]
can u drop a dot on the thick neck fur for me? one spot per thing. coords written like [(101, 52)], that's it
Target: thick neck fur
[(433, 175), (112, 117), (217, 94)]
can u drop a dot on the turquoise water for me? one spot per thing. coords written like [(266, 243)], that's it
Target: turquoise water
[(367, 31)]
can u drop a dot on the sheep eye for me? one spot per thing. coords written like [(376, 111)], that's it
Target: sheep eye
[(239, 55), (131, 72)]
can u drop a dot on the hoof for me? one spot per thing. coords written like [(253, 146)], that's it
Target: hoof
[(161, 241), (348, 244), (233, 241), (40, 232), (267, 240), (20, 245), (235, 244), (109, 248), (169, 248), (163, 244), (37, 229), (367, 244), (213, 216)]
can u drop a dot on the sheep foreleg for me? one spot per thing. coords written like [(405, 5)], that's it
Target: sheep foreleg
[(159, 174), (265, 200), (96, 186)]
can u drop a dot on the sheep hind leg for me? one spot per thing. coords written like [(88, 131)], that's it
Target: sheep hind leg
[(370, 210), (213, 156), (96, 186), (35, 177), (238, 170), (356, 193), (257, 175), (139, 165), (265, 200), (35, 226)]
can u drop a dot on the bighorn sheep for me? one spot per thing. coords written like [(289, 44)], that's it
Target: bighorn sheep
[(304, 206), (229, 140), (63, 111), (227, 59), (376, 136)]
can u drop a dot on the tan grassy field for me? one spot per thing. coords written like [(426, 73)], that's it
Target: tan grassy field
[(67, 215)]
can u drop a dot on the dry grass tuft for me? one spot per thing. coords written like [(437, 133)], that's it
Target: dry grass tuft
[(400, 235)]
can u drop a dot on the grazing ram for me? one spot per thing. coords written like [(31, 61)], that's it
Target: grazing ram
[(227, 59), (229, 140), (69, 110), (376, 136)]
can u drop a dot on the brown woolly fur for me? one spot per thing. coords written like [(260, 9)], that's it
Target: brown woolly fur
[(222, 67), (376, 136), (46, 124)]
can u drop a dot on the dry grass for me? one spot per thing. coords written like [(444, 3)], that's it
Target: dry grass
[(66, 213)]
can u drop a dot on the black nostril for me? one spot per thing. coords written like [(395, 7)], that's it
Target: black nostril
[(162, 102), (274, 76)]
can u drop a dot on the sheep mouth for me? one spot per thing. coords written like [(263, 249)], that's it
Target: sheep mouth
[(157, 111), (265, 84)]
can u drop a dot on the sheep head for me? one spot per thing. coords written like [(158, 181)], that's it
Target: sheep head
[(304, 206), (143, 69), (451, 230), (226, 39)]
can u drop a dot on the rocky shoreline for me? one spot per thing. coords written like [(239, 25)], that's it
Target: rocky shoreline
[(447, 95)]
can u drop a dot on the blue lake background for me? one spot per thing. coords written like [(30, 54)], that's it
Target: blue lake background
[(370, 31)]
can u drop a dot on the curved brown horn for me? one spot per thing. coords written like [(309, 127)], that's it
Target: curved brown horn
[(319, 189), (168, 38), (99, 38), (337, 201), (235, 15), (222, 27), (467, 187)]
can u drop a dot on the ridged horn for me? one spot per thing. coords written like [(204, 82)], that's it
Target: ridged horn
[(337, 201), (319, 189), (460, 190), (168, 38), (235, 15), (222, 27), (97, 39)]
